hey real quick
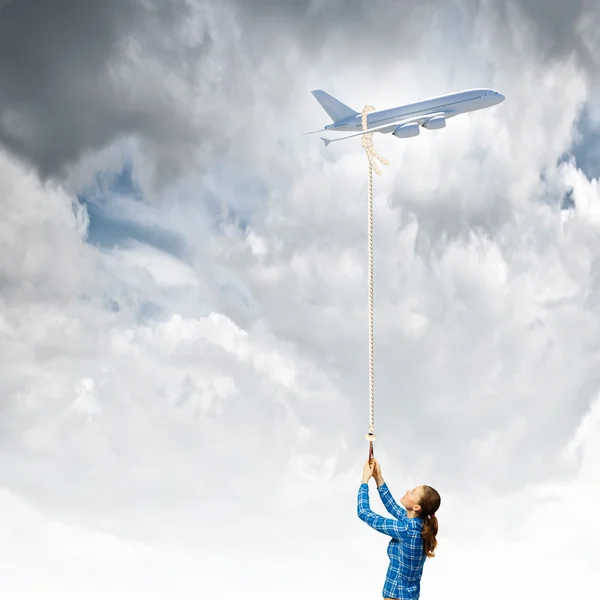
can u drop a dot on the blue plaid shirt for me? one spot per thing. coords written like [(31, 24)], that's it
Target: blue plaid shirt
[(405, 550)]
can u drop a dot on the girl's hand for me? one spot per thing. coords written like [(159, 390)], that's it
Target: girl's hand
[(377, 473), (367, 472)]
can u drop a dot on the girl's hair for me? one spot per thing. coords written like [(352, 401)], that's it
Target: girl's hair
[(430, 502)]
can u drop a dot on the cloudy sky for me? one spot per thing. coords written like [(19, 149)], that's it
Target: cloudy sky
[(183, 295)]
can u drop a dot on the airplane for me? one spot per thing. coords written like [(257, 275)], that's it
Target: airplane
[(404, 121)]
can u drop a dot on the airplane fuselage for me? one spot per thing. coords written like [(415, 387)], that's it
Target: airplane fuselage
[(449, 106)]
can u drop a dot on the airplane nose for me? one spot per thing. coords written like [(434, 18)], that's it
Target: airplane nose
[(500, 97)]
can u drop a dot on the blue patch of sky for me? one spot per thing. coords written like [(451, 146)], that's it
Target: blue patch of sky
[(190, 209), (108, 202), (564, 202), (567, 201), (117, 210), (586, 153), (586, 150)]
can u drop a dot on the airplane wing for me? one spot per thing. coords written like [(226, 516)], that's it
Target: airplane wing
[(420, 119)]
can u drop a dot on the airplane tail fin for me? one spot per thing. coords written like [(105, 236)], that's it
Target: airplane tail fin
[(334, 108)]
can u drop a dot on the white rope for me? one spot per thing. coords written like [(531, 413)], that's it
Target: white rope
[(372, 157)]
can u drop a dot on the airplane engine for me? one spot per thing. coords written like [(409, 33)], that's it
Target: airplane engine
[(435, 123), (407, 130)]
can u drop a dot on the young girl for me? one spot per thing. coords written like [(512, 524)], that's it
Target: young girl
[(413, 530)]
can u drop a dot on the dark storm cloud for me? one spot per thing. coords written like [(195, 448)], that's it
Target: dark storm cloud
[(61, 91), (57, 96), (388, 23), (336, 25)]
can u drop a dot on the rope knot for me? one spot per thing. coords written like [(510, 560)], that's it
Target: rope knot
[(367, 143)]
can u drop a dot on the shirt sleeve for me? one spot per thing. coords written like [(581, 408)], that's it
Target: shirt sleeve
[(397, 529), (396, 510)]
